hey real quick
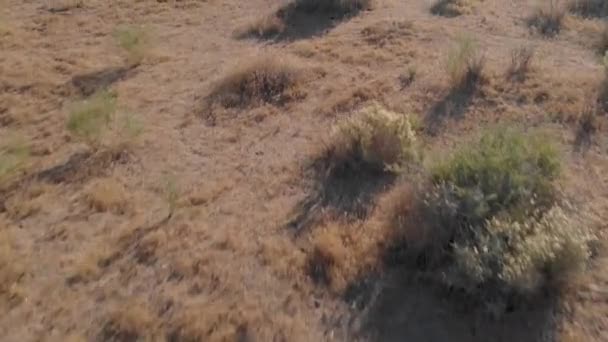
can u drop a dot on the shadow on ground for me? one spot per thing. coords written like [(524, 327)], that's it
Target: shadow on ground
[(294, 22), (452, 106), (397, 307), (89, 83), (347, 192)]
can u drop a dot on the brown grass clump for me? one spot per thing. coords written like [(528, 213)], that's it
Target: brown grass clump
[(266, 80), (451, 8), (130, 321), (548, 18), (107, 195)]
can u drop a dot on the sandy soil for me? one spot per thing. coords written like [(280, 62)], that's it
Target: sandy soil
[(93, 251)]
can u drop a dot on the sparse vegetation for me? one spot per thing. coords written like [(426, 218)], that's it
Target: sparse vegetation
[(266, 80), (451, 8), (548, 18), (521, 62), (89, 118), (465, 64), (134, 41), (376, 138)]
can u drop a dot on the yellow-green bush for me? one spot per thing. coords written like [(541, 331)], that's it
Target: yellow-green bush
[(376, 138)]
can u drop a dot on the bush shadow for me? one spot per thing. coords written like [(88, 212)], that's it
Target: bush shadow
[(295, 22), (453, 105), (89, 83), (347, 191), (400, 307)]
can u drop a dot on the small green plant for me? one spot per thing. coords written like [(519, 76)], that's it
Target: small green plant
[(376, 138), (89, 118), (13, 156), (134, 41), (171, 193), (465, 64)]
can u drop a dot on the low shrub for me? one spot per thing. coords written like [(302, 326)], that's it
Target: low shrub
[(542, 250), (589, 8), (490, 222), (375, 138)]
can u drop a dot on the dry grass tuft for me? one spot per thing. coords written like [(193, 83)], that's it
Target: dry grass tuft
[(129, 321), (521, 62), (11, 271), (266, 80), (465, 65), (548, 18), (451, 8), (376, 139), (107, 195)]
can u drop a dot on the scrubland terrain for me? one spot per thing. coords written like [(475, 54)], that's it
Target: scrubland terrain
[(267, 170)]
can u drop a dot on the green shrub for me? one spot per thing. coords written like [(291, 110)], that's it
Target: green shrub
[(493, 225), (89, 118), (504, 172), (377, 138)]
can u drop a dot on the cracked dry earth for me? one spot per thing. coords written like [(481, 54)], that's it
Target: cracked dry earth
[(186, 235)]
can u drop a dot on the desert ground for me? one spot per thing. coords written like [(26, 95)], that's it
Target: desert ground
[(192, 210)]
